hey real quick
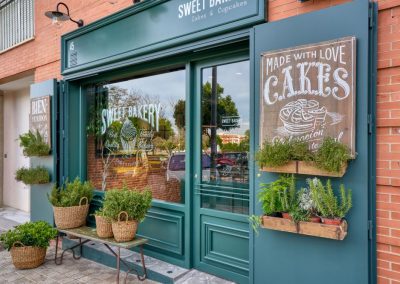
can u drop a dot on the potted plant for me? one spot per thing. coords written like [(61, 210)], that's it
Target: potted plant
[(28, 243), (103, 224), (331, 211), (33, 144), (38, 175), (126, 208), (307, 204), (332, 156), (279, 196), (71, 203)]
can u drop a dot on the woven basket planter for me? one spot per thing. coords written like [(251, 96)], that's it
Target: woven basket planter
[(27, 257), (124, 231), (103, 227), (71, 217)]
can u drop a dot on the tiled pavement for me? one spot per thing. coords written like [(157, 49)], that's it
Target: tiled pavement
[(71, 271)]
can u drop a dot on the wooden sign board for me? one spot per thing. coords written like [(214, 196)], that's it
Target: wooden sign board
[(40, 117), (308, 93)]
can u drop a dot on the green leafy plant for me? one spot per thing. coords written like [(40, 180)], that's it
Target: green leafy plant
[(277, 196), (33, 144), (280, 153), (135, 203), (38, 175), (71, 193), (299, 215), (326, 201), (37, 234), (332, 155), (255, 223)]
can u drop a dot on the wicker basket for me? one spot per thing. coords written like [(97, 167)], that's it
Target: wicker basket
[(103, 227), (27, 257), (124, 231), (71, 217)]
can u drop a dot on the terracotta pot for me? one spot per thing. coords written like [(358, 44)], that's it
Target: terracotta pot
[(315, 219), (286, 215), (335, 222)]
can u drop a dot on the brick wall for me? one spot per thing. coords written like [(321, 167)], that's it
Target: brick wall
[(388, 139), (43, 53)]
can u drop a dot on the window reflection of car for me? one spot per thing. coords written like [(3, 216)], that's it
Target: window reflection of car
[(176, 167), (231, 161)]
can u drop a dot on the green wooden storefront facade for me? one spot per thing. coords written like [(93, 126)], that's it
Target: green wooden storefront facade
[(158, 35)]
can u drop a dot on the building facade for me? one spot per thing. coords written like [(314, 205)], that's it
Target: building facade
[(161, 62)]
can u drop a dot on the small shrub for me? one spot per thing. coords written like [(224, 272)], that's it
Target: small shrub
[(280, 153), (33, 144), (135, 203), (327, 203), (279, 195), (71, 193), (36, 234), (332, 155), (38, 175)]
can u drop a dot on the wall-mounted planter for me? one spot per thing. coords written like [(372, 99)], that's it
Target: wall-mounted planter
[(306, 228), (31, 176), (304, 168)]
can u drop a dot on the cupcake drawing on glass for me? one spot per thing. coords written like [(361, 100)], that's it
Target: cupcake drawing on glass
[(128, 136)]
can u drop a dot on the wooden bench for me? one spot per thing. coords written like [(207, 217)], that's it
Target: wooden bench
[(89, 234)]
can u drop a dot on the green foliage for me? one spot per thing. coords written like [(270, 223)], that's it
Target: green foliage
[(255, 222), (71, 193), (33, 144), (299, 215), (37, 234), (332, 155), (279, 195), (326, 201), (280, 153), (38, 175), (135, 203)]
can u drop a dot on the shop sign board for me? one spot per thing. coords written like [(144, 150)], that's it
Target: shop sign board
[(40, 117), (155, 25), (309, 92)]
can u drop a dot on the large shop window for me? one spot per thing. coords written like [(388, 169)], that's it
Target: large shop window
[(136, 135), (225, 132)]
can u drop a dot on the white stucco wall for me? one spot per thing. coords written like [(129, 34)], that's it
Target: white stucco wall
[(16, 122)]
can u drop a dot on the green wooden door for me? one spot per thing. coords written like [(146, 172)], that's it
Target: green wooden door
[(221, 175)]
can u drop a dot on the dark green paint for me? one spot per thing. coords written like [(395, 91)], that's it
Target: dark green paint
[(151, 26), (276, 253), (41, 209)]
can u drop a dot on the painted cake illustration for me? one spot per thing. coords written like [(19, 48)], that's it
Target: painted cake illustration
[(302, 116)]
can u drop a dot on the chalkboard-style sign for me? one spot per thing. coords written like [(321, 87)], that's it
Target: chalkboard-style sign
[(40, 117), (308, 93)]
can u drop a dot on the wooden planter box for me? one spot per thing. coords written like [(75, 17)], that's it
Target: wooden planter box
[(304, 168), (306, 228)]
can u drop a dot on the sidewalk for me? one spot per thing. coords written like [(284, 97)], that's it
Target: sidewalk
[(71, 271)]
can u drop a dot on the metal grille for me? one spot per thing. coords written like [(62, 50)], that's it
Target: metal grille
[(16, 22)]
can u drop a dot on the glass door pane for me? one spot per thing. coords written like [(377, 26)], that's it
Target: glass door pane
[(225, 114)]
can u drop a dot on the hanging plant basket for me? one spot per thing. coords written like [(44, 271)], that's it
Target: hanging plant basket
[(305, 168), (335, 232)]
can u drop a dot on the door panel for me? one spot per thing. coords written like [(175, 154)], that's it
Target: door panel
[(221, 199), (276, 252)]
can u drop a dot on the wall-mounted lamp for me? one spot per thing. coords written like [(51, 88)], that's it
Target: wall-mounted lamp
[(58, 16)]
